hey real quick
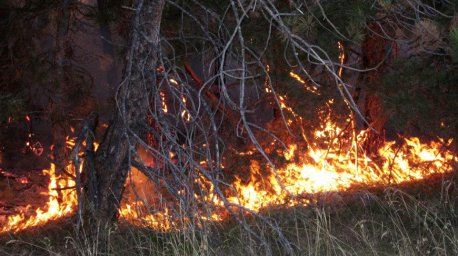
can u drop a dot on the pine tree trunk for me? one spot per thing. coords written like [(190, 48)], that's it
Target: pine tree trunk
[(377, 51), (61, 60), (111, 162)]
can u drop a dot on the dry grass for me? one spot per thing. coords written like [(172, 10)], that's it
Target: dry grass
[(413, 219)]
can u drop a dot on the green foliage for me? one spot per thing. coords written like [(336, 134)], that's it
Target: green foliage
[(357, 21), (420, 96), (454, 3), (349, 17), (327, 22), (453, 41), (303, 25)]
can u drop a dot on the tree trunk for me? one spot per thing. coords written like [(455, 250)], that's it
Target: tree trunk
[(57, 106), (377, 51), (112, 160)]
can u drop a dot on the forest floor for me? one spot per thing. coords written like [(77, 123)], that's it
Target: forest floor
[(418, 218)]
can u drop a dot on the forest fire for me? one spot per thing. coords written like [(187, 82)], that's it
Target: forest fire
[(333, 161), (326, 167), (61, 202), (330, 165), (229, 127)]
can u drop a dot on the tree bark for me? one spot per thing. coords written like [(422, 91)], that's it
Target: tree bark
[(377, 52), (112, 161), (57, 106)]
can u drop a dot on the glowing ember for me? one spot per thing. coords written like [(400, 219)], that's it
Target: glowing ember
[(313, 89), (163, 102)]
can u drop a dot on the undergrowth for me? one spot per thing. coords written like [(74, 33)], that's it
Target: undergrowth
[(410, 219)]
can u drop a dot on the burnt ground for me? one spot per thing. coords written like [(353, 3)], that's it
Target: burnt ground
[(20, 188), (21, 175)]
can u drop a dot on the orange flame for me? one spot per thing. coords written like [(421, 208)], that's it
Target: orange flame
[(61, 203), (328, 170), (328, 165), (163, 102), (332, 162)]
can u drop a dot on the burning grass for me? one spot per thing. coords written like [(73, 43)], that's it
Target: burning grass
[(414, 218), (313, 184), (333, 163)]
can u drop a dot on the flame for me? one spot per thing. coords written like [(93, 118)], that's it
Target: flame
[(133, 213), (61, 202), (328, 170), (185, 113), (313, 89), (332, 161), (163, 102), (329, 164), (341, 58)]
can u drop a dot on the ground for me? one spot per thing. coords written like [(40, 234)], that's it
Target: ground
[(409, 219)]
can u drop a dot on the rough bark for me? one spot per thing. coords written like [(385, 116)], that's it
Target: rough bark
[(377, 51), (107, 46), (61, 60), (112, 160)]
